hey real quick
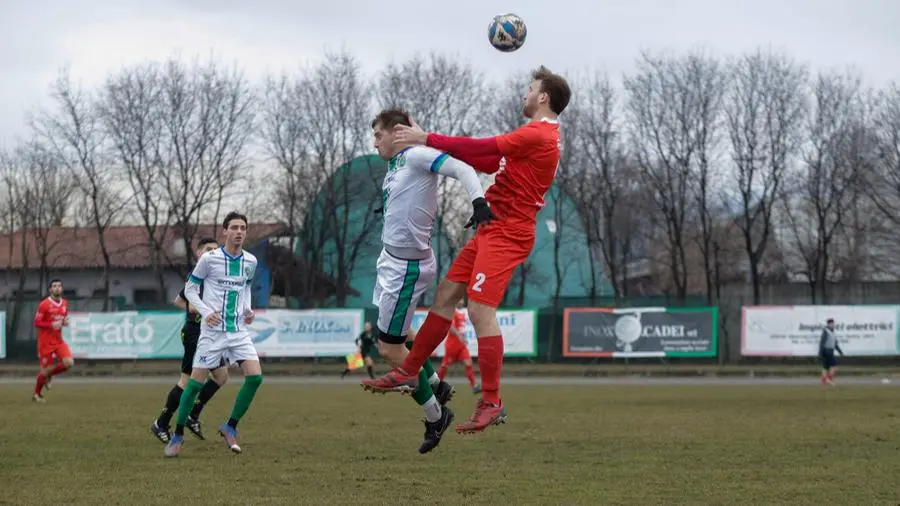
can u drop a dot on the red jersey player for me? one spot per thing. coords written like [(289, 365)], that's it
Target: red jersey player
[(456, 349), (525, 161), (52, 315)]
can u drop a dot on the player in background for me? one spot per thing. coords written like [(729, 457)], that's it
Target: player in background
[(366, 344), (225, 276), (190, 333), (407, 267), (456, 349), (525, 161), (828, 344), (52, 315)]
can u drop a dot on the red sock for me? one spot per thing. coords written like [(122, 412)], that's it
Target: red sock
[(433, 330), (60, 367), (490, 361), (470, 373), (41, 380)]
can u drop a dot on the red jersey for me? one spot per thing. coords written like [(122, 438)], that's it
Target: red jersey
[(459, 324), (526, 160), (48, 312)]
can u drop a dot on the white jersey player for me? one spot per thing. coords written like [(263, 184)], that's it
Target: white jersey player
[(226, 275), (406, 266)]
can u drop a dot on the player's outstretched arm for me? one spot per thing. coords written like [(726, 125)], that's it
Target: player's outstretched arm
[(445, 165), (192, 287), (517, 143)]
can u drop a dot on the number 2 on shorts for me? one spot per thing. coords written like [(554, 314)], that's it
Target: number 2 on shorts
[(479, 280)]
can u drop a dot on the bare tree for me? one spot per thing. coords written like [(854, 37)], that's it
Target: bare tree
[(882, 182), (131, 115), (337, 101), (765, 107), (601, 187), (817, 201), (207, 118), (448, 96), (74, 133), (283, 127), (48, 197), (17, 218), (674, 106)]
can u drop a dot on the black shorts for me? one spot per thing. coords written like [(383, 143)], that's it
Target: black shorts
[(189, 340), (365, 352), (828, 359)]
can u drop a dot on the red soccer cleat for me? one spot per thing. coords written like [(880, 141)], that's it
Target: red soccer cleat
[(485, 415), (396, 380)]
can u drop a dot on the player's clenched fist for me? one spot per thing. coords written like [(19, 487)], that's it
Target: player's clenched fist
[(214, 320), (248, 317)]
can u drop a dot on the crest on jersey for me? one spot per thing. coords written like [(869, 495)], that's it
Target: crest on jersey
[(248, 271)]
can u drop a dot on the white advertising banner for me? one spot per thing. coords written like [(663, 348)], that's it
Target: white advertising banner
[(796, 330), (519, 329)]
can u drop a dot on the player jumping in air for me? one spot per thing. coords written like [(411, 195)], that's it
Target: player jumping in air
[(456, 349), (525, 161), (225, 276), (52, 315), (190, 334), (406, 266)]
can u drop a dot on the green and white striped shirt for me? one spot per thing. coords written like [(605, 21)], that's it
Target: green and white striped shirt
[(227, 283)]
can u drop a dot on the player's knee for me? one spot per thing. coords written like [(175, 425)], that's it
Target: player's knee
[(183, 381), (448, 294), (481, 316), (68, 362)]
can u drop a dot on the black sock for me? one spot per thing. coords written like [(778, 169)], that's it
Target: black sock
[(346, 372), (171, 407), (179, 430), (371, 372), (209, 389), (232, 423)]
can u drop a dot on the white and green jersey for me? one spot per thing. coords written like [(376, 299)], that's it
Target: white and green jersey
[(410, 194), (227, 283)]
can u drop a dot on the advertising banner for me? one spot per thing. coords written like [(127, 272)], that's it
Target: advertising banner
[(125, 334), (796, 330), (640, 332), (157, 334), (519, 329)]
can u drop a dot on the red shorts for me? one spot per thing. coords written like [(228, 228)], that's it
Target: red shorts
[(455, 353), (54, 351), (487, 262)]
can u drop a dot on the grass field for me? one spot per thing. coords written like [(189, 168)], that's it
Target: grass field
[(336, 445)]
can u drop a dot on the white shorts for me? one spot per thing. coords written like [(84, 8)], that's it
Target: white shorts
[(220, 349), (399, 285)]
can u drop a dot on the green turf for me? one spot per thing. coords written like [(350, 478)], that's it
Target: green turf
[(335, 445)]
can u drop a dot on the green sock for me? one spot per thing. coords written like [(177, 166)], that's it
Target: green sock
[(424, 392), (245, 396), (188, 397), (429, 370)]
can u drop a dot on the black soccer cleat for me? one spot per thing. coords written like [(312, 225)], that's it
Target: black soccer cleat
[(434, 431), (193, 425), (161, 433), (443, 392)]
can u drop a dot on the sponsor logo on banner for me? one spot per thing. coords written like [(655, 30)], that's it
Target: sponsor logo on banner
[(125, 334), (2, 334), (640, 332), (518, 327), (309, 333), (796, 330)]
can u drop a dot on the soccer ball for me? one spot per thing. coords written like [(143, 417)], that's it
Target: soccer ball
[(507, 32)]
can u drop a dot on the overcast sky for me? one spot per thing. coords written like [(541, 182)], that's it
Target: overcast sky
[(94, 37)]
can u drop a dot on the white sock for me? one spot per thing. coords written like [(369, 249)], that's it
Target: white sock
[(432, 409), (434, 379)]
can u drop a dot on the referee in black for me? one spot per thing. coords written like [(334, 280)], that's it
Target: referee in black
[(190, 334), (366, 343)]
